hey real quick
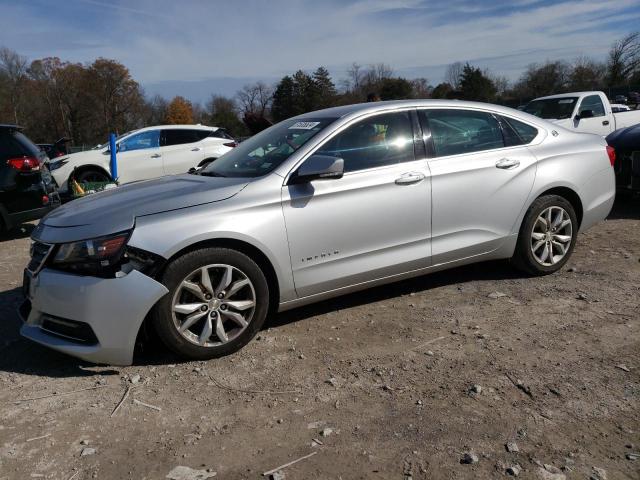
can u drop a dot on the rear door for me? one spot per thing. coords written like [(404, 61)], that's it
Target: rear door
[(480, 181), (596, 119), (182, 149)]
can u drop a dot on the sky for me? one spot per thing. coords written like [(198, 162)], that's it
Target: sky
[(199, 47)]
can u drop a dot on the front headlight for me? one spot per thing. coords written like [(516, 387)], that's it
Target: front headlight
[(91, 257)]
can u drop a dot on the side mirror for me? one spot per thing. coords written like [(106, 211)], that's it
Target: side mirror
[(585, 114), (318, 167), (108, 150)]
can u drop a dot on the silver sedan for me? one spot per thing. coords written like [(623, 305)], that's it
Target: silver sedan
[(316, 206)]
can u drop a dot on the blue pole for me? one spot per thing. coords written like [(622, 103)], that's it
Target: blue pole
[(114, 164)]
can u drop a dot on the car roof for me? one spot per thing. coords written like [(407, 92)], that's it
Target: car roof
[(180, 127), (373, 107), (569, 94), (9, 126)]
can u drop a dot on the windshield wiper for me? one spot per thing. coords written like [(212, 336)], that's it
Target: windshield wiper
[(211, 174)]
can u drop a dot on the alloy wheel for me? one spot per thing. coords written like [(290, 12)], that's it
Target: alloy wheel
[(551, 236), (213, 305)]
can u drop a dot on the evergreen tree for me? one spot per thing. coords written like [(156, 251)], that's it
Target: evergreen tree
[(283, 99), (475, 85), (325, 90)]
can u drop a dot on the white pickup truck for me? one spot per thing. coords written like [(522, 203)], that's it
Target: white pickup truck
[(588, 112)]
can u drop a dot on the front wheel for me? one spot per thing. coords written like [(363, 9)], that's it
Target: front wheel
[(218, 300), (547, 236), (92, 176)]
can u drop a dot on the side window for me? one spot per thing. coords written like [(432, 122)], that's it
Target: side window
[(376, 141), (140, 141), (593, 103), (201, 134), (179, 136), (516, 132), (11, 147), (220, 133), (462, 131)]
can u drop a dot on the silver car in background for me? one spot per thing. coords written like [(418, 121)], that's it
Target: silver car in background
[(316, 206)]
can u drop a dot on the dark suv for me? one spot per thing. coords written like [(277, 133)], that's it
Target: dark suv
[(27, 191)]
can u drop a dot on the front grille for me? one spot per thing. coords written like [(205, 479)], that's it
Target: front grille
[(78, 332), (40, 251)]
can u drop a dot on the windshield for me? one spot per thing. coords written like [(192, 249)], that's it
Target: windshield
[(265, 151), (552, 108), (118, 138)]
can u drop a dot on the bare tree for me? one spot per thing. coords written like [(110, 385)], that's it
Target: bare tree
[(586, 74), (624, 59), (453, 74), (354, 78), (421, 88), (500, 81), (375, 74), (255, 99), (13, 69)]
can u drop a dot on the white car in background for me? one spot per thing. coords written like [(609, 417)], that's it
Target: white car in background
[(146, 153), (582, 112), (619, 107)]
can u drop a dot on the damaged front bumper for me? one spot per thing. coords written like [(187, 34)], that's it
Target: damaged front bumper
[(95, 319)]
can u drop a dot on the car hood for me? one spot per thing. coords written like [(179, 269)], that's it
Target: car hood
[(80, 156), (115, 210)]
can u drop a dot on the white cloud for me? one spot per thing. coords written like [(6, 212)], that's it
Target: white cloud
[(195, 40)]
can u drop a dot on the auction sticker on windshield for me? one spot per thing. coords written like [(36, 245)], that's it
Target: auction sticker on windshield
[(303, 125)]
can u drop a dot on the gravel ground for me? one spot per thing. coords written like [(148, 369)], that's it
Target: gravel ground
[(405, 381)]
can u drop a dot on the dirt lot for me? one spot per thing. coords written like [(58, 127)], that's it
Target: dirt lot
[(382, 380)]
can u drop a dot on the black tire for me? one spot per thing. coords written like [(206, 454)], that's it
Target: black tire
[(523, 257), (163, 318), (91, 175)]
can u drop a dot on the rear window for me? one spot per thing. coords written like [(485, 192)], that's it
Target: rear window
[(182, 136), (220, 133), (456, 132), (517, 132), (15, 144)]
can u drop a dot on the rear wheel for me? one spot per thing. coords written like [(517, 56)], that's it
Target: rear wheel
[(218, 300), (547, 236)]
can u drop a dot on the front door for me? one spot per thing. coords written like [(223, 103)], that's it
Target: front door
[(139, 157), (597, 121), (479, 184), (374, 221)]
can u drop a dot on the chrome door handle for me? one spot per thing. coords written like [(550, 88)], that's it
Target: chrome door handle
[(196, 149), (409, 178), (507, 163), (156, 155)]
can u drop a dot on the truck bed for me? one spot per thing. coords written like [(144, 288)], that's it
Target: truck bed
[(627, 119)]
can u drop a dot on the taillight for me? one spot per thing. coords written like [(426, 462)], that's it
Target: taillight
[(24, 164), (231, 144), (612, 155)]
